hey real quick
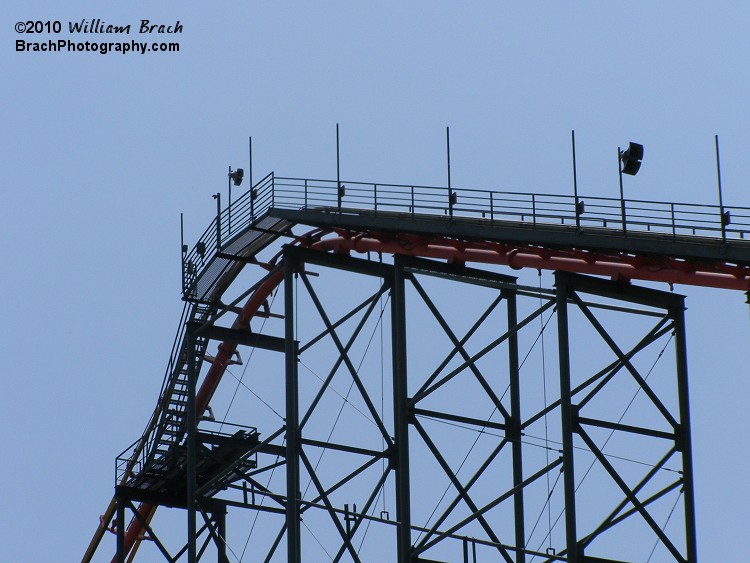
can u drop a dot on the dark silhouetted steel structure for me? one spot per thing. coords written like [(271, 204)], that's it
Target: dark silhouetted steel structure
[(184, 460)]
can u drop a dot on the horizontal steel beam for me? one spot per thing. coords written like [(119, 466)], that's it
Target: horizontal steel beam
[(622, 291), (626, 428), (243, 337), (341, 262), (460, 419), (163, 499)]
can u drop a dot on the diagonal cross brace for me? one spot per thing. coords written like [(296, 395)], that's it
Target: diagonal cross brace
[(458, 346), (463, 492), (347, 361)]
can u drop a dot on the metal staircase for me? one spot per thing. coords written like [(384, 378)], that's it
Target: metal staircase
[(146, 464)]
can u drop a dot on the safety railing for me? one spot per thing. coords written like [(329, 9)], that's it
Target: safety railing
[(130, 462), (611, 214), (223, 429), (638, 216), (139, 454), (252, 205), (126, 464)]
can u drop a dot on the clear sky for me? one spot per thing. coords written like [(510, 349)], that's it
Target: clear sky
[(101, 153)]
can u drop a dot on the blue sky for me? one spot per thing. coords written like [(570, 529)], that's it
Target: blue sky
[(103, 152)]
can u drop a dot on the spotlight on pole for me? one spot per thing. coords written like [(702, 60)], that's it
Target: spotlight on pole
[(236, 176), (631, 159), (629, 162)]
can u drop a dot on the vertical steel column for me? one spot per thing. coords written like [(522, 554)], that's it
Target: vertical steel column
[(191, 421), (400, 460), (120, 525), (684, 438), (291, 352), (221, 530), (567, 414), (515, 423)]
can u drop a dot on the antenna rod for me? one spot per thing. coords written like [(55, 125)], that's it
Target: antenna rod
[(338, 168), (229, 208), (217, 197), (723, 219), (575, 180), (451, 197), (251, 188), (448, 152), (182, 250)]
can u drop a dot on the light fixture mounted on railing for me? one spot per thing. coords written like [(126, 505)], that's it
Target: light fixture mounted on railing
[(631, 159), (236, 176), (628, 162)]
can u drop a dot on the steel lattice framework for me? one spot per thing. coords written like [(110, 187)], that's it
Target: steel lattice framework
[(461, 406)]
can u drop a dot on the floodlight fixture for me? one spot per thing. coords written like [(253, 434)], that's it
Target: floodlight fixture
[(631, 158), (628, 162), (236, 176)]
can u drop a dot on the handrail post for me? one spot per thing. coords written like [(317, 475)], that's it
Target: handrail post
[(674, 226), (492, 209), (533, 208), (305, 193), (412, 201), (375, 195), (273, 189), (217, 197)]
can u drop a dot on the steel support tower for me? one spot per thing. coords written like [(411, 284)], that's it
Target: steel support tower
[(416, 416)]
